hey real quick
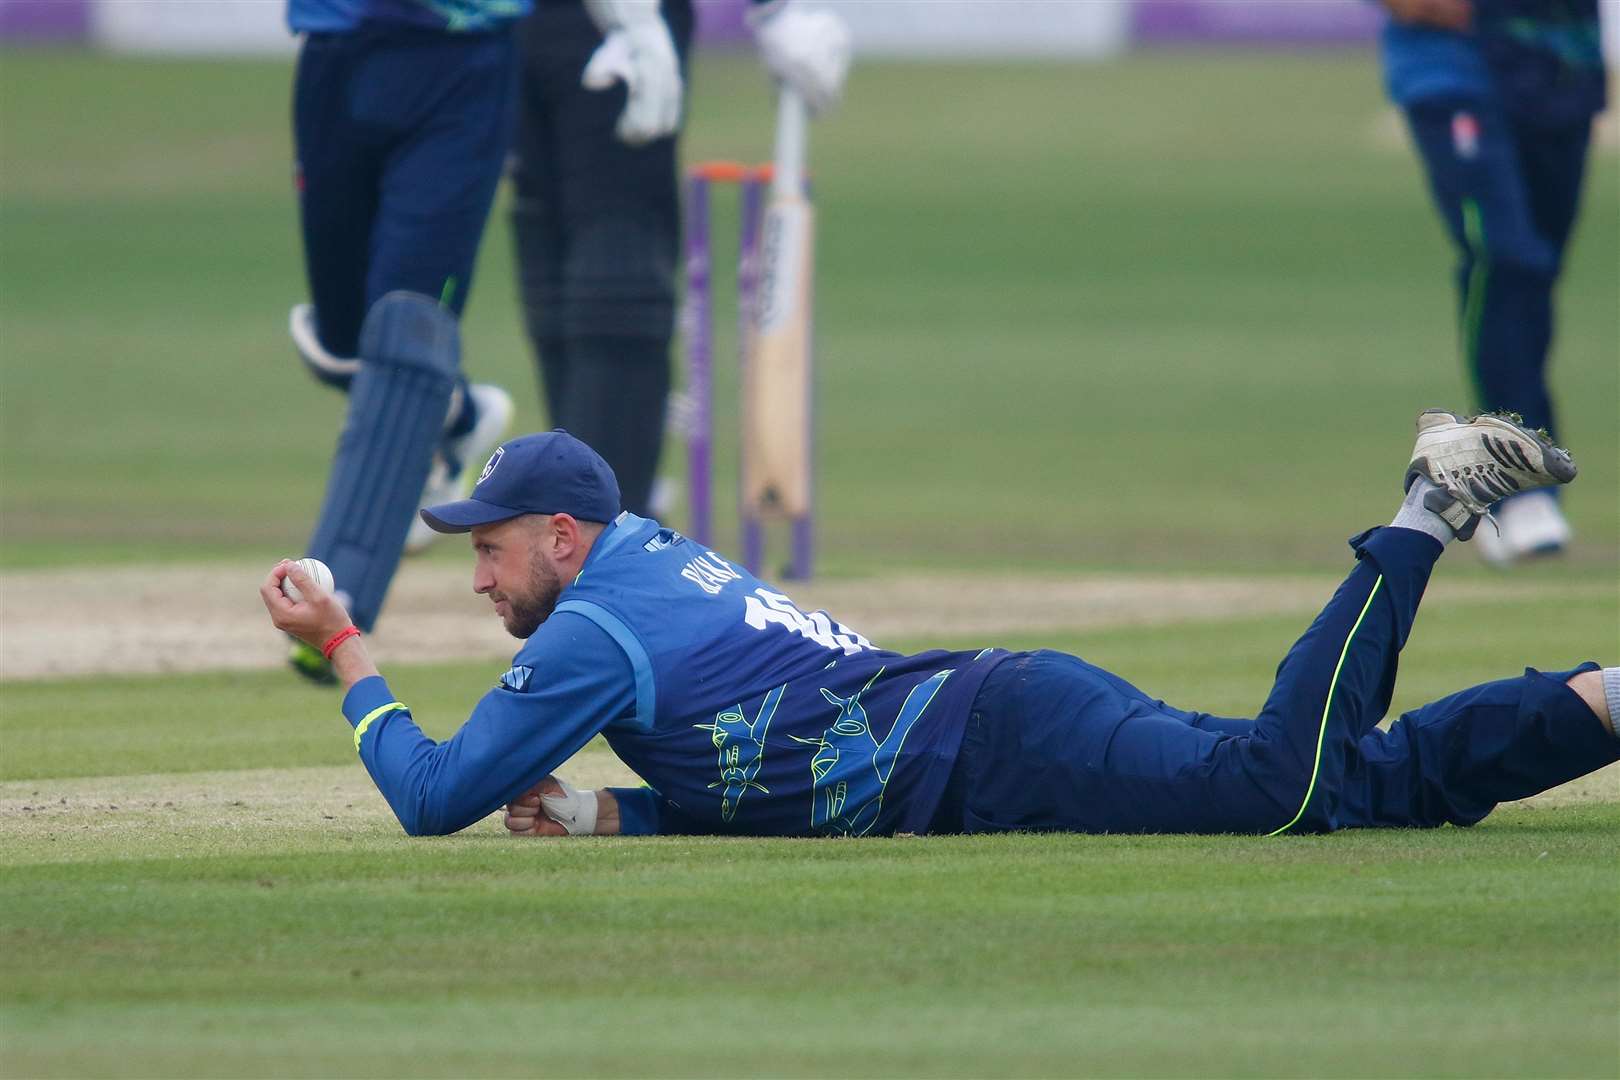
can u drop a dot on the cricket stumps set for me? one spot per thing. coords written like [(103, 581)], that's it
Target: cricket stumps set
[(775, 267)]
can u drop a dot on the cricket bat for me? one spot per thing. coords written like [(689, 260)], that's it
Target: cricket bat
[(776, 390)]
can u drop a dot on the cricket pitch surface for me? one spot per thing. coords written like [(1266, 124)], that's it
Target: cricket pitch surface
[(149, 620)]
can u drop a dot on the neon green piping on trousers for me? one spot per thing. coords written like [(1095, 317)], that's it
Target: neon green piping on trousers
[(365, 722), (1321, 732), (1474, 302)]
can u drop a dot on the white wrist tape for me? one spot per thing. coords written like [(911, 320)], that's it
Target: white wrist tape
[(574, 810)]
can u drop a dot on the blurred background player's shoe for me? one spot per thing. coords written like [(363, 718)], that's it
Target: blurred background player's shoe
[(455, 466), (1526, 526), (308, 662), (1481, 460), (336, 371)]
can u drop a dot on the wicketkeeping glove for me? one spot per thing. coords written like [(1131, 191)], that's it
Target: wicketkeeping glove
[(637, 51), (574, 810)]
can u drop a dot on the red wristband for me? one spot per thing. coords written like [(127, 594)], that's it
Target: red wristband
[(339, 638)]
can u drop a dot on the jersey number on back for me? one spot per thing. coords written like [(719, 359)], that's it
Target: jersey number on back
[(766, 608)]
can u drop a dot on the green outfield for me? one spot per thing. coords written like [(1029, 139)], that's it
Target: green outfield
[(1173, 313), (264, 916)]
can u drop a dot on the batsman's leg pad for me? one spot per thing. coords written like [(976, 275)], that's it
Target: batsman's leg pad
[(619, 279), (410, 351), (335, 371), (616, 402), (538, 245)]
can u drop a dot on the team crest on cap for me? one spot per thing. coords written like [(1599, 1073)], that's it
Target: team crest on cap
[(489, 466)]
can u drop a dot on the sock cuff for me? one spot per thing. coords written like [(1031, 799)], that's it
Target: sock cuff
[(1611, 694), (1415, 516)]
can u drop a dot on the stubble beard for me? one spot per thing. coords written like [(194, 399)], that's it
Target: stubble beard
[(526, 613)]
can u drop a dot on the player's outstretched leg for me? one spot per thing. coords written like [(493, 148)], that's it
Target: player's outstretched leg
[(1454, 759), (410, 350), (1055, 743), (1335, 684)]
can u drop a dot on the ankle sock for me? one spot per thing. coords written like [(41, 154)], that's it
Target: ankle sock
[(1414, 515), (1611, 694)]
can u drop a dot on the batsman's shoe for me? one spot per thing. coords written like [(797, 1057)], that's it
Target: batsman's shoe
[(1526, 526), (308, 662), (450, 478), (1477, 461), (337, 371)]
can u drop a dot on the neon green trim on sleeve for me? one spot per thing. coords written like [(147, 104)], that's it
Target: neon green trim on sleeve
[(1321, 732), (365, 722)]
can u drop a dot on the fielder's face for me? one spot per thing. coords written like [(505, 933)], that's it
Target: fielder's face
[(514, 570)]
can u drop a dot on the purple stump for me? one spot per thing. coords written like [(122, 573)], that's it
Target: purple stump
[(698, 320), (750, 198), (803, 539)]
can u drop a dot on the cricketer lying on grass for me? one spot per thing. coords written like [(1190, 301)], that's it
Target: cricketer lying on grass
[(746, 715)]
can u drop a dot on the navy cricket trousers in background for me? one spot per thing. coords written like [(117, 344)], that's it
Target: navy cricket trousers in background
[(401, 136), (1508, 193), (1055, 743)]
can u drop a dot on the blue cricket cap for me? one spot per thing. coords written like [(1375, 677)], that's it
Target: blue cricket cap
[(548, 473)]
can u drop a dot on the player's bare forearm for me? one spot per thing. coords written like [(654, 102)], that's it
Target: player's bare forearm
[(607, 813), (351, 662)]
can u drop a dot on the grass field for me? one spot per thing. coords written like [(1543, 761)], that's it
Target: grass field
[(199, 881), (1173, 313)]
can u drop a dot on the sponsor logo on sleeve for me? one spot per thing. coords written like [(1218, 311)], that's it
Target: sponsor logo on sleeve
[(517, 679)]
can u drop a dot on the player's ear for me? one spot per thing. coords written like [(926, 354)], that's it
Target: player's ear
[(564, 535)]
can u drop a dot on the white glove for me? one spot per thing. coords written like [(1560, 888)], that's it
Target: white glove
[(574, 810), (807, 50), (637, 51)]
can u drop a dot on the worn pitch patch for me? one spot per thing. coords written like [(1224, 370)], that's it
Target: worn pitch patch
[(146, 620)]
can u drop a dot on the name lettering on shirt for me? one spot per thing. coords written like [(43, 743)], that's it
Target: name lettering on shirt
[(766, 608), (710, 573)]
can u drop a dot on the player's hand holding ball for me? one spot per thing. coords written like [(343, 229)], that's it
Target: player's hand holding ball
[(316, 571), (299, 596)]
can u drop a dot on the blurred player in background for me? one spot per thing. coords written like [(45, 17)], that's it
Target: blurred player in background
[(402, 116), (596, 217), (1500, 96)]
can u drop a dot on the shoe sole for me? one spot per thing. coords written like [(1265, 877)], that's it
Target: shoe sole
[(1556, 462), (1556, 465)]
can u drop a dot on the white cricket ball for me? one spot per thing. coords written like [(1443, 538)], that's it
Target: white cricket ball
[(315, 569)]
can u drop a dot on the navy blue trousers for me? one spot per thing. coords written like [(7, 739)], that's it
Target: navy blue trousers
[(1055, 743), (401, 136), (1508, 194)]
